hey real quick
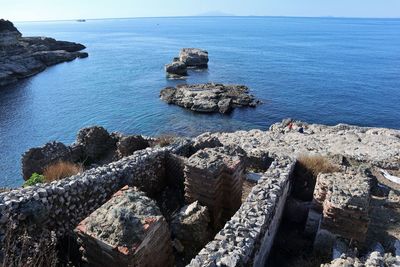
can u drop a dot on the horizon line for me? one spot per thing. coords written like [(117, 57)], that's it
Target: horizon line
[(216, 16)]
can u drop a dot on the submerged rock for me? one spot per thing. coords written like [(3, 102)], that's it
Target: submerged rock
[(209, 97), (21, 57)]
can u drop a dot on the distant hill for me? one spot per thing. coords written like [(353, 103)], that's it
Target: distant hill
[(215, 13)]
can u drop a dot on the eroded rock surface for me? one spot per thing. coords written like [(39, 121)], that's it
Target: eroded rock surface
[(209, 97), (376, 146), (21, 57)]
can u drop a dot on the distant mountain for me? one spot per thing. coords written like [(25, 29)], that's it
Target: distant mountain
[(215, 13)]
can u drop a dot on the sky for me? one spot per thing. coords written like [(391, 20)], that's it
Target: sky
[(32, 10)]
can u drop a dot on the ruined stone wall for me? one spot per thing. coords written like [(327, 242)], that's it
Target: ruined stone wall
[(61, 205), (247, 238)]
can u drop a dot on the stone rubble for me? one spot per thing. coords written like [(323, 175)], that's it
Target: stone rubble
[(128, 230), (191, 228)]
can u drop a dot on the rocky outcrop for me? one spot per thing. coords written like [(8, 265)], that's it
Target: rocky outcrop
[(188, 58), (209, 97), (96, 141), (21, 57), (127, 145), (350, 144), (194, 57), (93, 145), (36, 159)]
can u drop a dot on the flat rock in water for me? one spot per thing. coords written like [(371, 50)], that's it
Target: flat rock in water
[(209, 97), (21, 57)]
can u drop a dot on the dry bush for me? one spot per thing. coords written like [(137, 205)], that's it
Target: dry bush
[(306, 172), (60, 170), (22, 249), (317, 164)]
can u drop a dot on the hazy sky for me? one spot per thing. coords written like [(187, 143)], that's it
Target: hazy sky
[(20, 10)]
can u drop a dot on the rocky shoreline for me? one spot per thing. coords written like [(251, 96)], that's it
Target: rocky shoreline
[(22, 57), (209, 97)]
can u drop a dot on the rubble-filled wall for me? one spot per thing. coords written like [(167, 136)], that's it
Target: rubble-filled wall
[(61, 205), (247, 238)]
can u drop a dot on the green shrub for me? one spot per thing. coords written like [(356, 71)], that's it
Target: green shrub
[(34, 179)]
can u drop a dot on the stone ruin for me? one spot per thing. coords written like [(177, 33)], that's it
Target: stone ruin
[(214, 177), (190, 194), (128, 230), (344, 201)]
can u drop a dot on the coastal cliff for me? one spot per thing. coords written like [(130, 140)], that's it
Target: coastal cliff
[(22, 57)]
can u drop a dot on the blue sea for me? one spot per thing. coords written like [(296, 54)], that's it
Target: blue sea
[(320, 70)]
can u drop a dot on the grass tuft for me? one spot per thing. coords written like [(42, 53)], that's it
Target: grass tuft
[(61, 170)]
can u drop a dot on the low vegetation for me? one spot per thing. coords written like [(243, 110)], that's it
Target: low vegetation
[(34, 179), (60, 170)]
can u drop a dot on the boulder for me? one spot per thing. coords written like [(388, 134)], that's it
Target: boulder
[(209, 97), (177, 68), (194, 57), (36, 159), (95, 142), (129, 144)]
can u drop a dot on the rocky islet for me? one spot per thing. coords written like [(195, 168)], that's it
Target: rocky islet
[(209, 97)]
